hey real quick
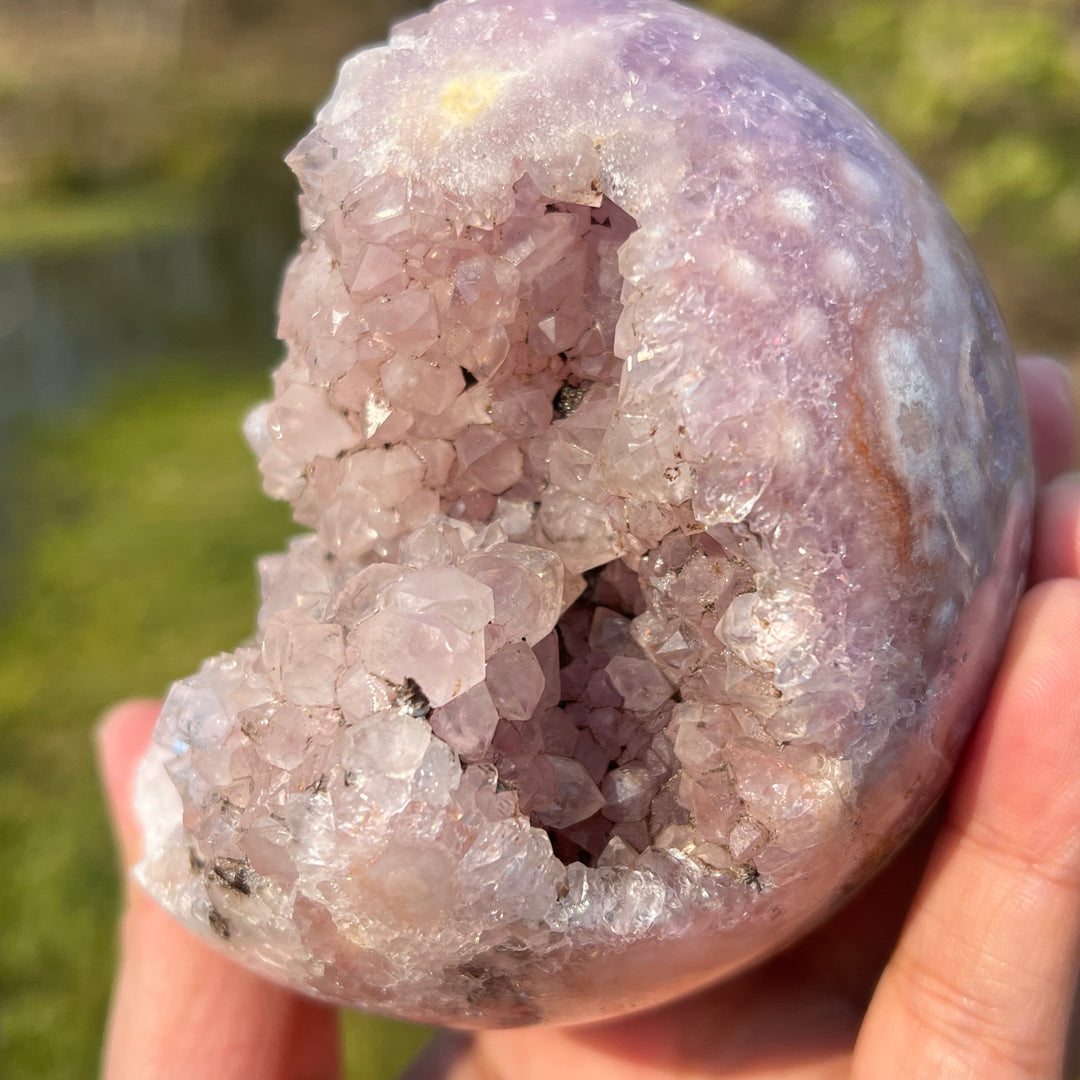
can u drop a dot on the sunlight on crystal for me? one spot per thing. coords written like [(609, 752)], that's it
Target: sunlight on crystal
[(665, 523), (464, 99)]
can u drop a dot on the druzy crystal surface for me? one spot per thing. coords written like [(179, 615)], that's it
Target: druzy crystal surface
[(667, 490)]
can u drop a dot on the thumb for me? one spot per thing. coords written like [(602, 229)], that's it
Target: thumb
[(180, 1009), (122, 736)]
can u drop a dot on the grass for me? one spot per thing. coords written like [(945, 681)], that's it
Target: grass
[(143, 517), (61, 225)]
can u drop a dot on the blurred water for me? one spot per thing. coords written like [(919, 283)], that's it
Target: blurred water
[(70, 322), (73, 324)]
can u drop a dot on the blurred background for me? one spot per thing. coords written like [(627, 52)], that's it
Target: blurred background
[(145, 217)]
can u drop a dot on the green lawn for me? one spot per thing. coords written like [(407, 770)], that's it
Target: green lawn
[(72, 224), (139, 520)]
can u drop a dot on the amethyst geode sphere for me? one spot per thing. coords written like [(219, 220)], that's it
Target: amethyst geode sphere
[(669, 497)]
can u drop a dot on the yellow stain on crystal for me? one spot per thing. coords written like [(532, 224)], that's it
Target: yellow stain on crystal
[(464, 99)]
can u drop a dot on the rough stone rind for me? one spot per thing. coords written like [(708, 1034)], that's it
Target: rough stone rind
[(670, 492)]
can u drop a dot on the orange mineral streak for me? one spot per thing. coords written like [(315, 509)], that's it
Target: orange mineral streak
[(887, 499)]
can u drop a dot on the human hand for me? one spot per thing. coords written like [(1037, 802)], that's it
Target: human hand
[(958, 961)]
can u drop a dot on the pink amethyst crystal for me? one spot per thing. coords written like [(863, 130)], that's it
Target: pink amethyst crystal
[(669, 494)]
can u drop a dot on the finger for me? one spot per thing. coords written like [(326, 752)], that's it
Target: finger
[(981, 982), (179, 1009), (1048, 392), (121, 739), (1056, 552)]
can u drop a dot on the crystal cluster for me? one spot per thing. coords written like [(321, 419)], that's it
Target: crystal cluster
[(668, 497)]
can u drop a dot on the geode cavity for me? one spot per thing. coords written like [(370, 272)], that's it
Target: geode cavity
[(669, 493)]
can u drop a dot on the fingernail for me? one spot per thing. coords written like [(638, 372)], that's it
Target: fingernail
[(1058, 372)]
